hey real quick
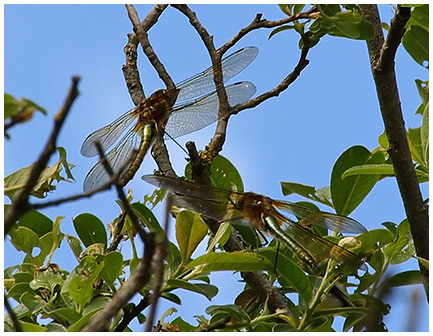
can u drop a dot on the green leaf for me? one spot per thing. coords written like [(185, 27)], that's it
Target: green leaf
[(80, 281), (112, 267), (403, 238), (425, 136), (190, 231), (171, 297), (420, 16), (75, 245), (403, 279), (148, 218), (82, 322), (380, 170), (238, 317), (183, 325), (348, 193), (232, 261), (24, 239), (68, 314), (22, 109), (34, 220), (289, 274), (321, 195), (16, 181), (90, 229), (31, 327), (279, 30), (416, 43), (96, 305), (225, 175), (221, 236), (207, 290)]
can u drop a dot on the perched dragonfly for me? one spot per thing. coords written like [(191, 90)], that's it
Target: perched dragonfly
[(262, 213), (190, 107)]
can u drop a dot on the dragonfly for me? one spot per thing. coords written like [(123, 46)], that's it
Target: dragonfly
[(262, 213), (192, 106)]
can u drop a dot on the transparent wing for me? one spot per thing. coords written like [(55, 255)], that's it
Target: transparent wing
[(106, 135), (203, 82), (331, 221), (320, 248), (192, 116), (116, 158)]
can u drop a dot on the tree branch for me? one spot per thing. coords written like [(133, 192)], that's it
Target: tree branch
[(382, 55), (21, 205)]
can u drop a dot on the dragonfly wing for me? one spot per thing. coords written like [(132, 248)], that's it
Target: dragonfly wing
[(331, 221), (203, 82), (320, 248), (106, 135), (97, 176), (192, 116), (186, 188)]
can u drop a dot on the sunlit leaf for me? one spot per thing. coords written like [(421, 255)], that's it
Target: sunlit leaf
[(190, 231), (416, 43), (232, 261), (349, 192)]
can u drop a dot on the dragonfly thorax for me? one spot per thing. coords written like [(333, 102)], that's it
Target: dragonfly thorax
[(155, 109)]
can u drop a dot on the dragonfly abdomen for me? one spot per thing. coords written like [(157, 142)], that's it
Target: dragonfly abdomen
[(147, 138), (271, 225)]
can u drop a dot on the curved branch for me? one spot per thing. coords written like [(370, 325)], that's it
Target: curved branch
[(382, 56)]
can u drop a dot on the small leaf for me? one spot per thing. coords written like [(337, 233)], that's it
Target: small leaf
[(112, 267), (16, 181), (348, 193), (190, 231), (221, 236), (90, 229), (225, 175), (207, 290), (232, 261), (24, 239), (75, 245), (425, 136), (370, 169), (31, 327), (148, 218), (320, 195)]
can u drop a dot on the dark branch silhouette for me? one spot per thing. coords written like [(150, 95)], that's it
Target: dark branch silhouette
[(382, 57)]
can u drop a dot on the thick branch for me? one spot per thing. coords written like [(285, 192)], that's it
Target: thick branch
[(20, 205), (382, 55)]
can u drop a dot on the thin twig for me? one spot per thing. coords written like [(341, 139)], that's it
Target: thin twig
[(159, 262), (141, 274), (382, 57), (15, 322), (20, 205)]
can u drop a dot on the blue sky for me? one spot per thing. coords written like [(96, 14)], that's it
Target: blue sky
[(295, 137)]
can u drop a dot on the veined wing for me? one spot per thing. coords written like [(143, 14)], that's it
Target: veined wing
[(331, 221), (320, 248), (186, 188), (106, 135), (203, 82), (194, 115), (97, 176)]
